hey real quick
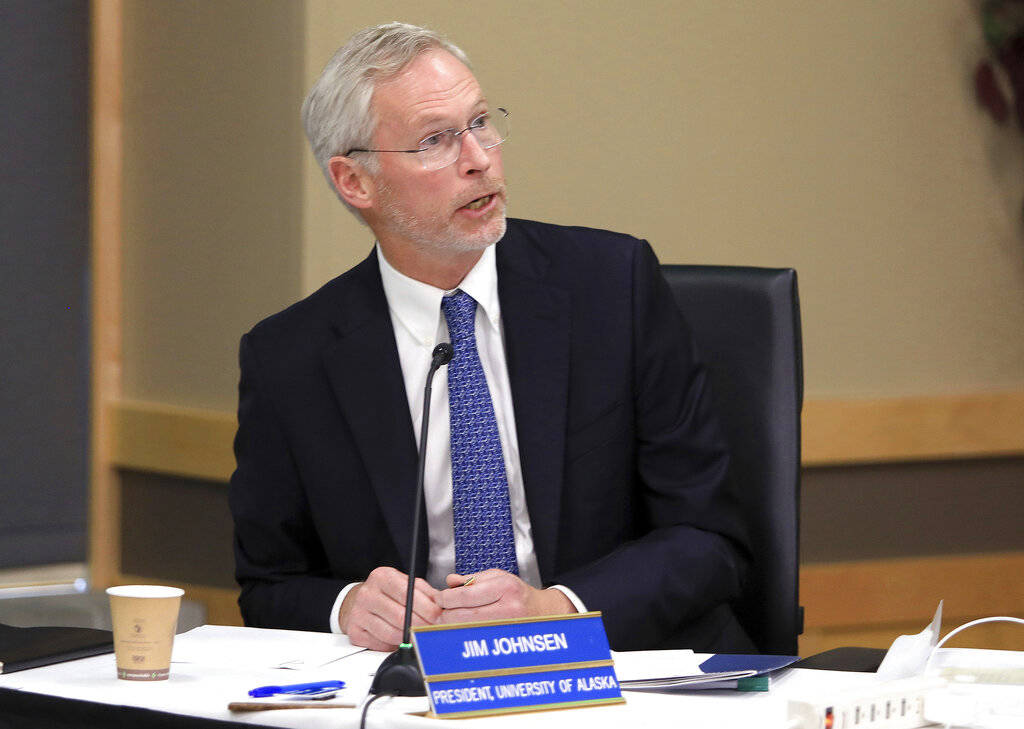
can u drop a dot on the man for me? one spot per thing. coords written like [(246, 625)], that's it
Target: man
[(572, 461)]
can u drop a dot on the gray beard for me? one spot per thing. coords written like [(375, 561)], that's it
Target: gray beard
[(437, 232)]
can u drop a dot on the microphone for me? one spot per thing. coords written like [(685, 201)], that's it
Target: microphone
[(399, 674), (442, 355)]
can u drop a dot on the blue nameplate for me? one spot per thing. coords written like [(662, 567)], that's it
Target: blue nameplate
[(532, 664)]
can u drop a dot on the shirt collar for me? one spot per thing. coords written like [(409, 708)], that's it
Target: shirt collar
[(417, 305)]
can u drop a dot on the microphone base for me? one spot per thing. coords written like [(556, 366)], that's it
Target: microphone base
[(399, 675)]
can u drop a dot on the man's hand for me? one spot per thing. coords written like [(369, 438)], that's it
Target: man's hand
[(373, 613), (497, 595)]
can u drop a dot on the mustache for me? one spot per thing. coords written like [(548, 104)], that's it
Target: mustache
[(485, 187)]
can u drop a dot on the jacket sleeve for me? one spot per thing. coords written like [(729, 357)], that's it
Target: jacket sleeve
[(279, 561), (688, 557)]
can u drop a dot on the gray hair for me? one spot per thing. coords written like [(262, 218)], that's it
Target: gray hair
[(337, 113)]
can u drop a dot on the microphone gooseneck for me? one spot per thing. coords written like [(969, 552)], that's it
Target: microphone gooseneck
[(399, 674)]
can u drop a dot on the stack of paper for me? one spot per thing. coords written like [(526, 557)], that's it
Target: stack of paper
[(662, 670)]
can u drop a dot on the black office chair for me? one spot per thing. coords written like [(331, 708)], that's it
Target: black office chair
[(746, 322)]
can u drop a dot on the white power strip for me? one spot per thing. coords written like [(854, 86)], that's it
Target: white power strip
[(990, 706), (890, 705)]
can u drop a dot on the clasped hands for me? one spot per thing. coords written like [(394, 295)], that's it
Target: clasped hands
[(373, 612)]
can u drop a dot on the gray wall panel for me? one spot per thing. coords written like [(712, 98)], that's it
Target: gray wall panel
[(44, 256)]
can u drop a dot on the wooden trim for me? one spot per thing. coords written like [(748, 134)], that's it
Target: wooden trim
[(105, 189), (221, 602), (932, 427), (994, 636), (197, 443), (180, 441), (887, 591)]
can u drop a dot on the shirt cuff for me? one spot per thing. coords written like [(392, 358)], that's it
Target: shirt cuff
[(576, 602), (336, 610)]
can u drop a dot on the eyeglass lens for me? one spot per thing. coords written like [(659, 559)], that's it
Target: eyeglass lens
[(441, 149)]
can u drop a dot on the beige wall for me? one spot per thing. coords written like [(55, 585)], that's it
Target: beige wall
[(212, 188), (838, 138)]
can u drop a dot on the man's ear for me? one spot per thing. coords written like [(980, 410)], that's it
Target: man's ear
[(351, 181)]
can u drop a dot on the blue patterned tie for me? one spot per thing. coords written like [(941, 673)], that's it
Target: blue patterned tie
[(480, 506)]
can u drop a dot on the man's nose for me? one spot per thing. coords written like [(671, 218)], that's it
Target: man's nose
[(472, 157)]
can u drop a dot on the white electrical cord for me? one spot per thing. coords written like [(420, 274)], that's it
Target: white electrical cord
[(964, 710), (965, 626)]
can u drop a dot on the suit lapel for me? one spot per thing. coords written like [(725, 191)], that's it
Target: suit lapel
[(365, 374), (535, 315)]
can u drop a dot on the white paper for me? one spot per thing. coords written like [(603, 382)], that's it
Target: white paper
[(645, 665), (232, 647), (671, 669)]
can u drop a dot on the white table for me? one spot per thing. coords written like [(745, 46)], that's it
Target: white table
[(224, 663)]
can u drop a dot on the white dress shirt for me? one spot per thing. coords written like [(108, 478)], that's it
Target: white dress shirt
[(419, 325)]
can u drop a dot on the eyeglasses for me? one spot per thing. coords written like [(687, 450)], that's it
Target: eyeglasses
[(442, 148)]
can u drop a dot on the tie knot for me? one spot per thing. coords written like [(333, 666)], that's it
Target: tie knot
[(459, 312)]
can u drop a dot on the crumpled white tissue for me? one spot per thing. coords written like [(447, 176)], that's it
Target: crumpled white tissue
[(908, 654)]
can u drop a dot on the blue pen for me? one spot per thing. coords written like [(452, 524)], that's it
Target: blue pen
[(297, 689)]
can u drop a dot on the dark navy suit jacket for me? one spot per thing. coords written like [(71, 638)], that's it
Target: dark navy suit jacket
[(624, 467)]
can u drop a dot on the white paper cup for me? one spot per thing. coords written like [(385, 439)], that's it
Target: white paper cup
[(145, 618)]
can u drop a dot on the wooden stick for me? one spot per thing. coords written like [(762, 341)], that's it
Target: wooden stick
[(267, 706)]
